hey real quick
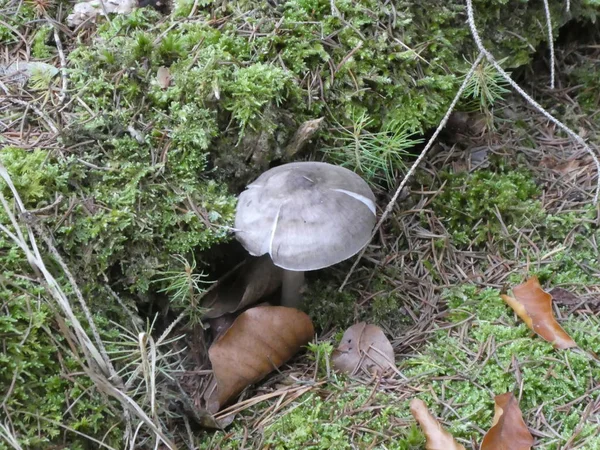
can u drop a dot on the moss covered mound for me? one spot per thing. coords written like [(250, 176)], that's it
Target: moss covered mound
[(149, 164)]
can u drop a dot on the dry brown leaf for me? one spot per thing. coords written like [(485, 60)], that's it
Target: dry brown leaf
[(260, 340), (364, 347), (255, 279), (221, 324), (534, 306), (304, 133), (437, 437), (508, 431)]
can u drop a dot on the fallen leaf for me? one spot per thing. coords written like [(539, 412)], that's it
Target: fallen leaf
[(220, 324), (461, 124), (568, 167), (437, 437), (255, 279), (163, 77), (480, 158), (534, 306), (304, 133), (85, 11), (508, 431), (260, 340), (363, 347), (20, 71)]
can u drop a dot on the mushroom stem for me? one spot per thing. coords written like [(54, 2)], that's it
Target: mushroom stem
[(290, 288)]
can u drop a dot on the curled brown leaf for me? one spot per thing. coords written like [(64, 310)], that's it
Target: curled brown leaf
[(437, 437), (534, 306), (259, 341), (364, 347), (508, 431), (252, 281)]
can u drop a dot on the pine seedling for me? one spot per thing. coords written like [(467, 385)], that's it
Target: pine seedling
[(375, 155), (184, 286), (486, 86)]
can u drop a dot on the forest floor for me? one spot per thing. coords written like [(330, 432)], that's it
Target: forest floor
[(491, 207), (503, 196)]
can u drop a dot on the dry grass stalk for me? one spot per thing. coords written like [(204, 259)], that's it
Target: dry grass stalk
[(97, 365)]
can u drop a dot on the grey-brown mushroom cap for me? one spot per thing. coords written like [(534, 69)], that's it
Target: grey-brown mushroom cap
[(306, 215)]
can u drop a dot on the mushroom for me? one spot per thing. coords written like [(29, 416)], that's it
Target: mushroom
[(306, 216)]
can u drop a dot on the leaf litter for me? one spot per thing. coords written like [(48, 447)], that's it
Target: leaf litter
[(365, 348), (508, 431), (255, 279), (259, 341), (534, 306), (85, 11), (19, 72), (437, 437)]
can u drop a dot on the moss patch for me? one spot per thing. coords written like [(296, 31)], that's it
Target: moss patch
[(475, 206), (482, 351)]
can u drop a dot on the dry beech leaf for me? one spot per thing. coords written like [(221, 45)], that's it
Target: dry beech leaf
[(221, 324), (508, 431), (534, 306), (560, 166), (260, 340), (364, 347), (437, 437), (255, 279)]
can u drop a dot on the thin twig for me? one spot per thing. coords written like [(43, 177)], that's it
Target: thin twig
[(530, 100), (63, 66), (35, 260), (550, 42), (18, 33), (7, 434), (38, 111), (47, 208), (392, 202), (135, 320)]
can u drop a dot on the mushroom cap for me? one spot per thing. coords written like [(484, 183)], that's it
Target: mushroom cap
[(306, 215)]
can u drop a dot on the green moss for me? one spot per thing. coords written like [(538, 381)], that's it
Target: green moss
[(550, 378), (40, 49), (16, 16), (327, 307), (340, 416), (324, 423), (457, 374), (35, 174), (233, 103), (41, 379), (151, 170), (475, 206)]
